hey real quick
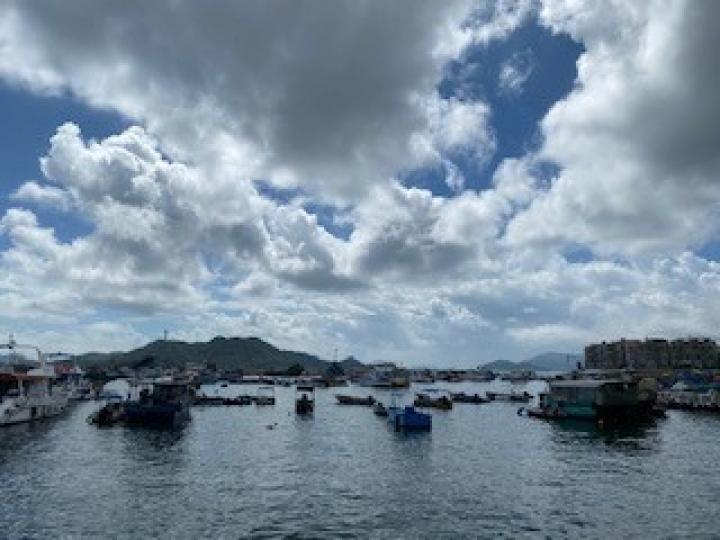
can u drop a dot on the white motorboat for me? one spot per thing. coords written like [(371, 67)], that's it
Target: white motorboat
[(28, 395)]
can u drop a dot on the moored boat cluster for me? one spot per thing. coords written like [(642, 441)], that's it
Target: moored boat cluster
[(43, 389)]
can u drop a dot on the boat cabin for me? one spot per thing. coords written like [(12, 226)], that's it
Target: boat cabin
[(590, 398), (165, 391), (23, 384)]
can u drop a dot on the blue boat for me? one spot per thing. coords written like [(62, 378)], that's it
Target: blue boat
[(408, 419)]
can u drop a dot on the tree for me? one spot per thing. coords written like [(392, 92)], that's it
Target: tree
[(295, 370)]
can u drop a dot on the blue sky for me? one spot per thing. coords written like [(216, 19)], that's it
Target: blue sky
[(363, 176), (515, 117), (34, 119)]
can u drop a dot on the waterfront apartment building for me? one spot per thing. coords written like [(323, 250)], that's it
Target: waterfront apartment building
[(653, 353)]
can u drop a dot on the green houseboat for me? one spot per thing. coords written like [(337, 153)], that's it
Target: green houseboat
[(607, 400)]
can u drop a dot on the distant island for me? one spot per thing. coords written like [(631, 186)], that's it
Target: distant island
[(252, 355), (550, 361), (249, 355)]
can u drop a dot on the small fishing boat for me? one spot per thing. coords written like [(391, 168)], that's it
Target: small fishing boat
[(167, 404), (434, 398), (238, 400), (265, 395), (408, 419), (223, 400), (108, 415), (386, 375), (304, 400), (379, 409), (462, 397), (521, 397), (208, 400), (354, 400), (519, 375)]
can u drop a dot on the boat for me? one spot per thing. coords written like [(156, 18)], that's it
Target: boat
[(379, 409), (265, 395), (165, 404), (386, 375), (480, 375), (202, 399), (408, 419), (27, 395), (239, 400), (422, 376), (434, 398), (70, 377), (690, 400), (354, 400), (304, 400), (519, 375), (108, 415), (604, 400), (110, 395), (222, 400), (462, 397), (522, 397)]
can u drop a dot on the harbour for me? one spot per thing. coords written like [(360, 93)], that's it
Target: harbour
[(344, 471), (384, 270)]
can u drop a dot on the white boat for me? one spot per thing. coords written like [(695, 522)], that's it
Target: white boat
[(386, 375), (70, 377), (26, 396)]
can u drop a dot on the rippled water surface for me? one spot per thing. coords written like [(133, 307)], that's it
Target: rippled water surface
[(482, 472)]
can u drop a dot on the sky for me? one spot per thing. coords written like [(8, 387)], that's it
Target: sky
[(438, 183)]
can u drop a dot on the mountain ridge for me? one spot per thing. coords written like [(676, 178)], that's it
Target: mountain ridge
[(249, 354), (549, 361)]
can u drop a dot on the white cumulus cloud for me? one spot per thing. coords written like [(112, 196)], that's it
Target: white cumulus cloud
[(336, 103)]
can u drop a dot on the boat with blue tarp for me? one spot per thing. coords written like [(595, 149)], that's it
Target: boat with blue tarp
[(408, 419)]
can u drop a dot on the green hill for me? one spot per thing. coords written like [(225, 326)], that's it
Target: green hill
[(251, 355)]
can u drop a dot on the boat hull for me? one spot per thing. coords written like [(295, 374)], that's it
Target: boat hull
[(302, 408), (354, 400), (17, 412), (433, 403), (605, 415), (158, 415), (408, 419), (466, 398)]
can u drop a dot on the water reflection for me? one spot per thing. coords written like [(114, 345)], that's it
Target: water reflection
[(642, 436), (481, 471), (16, 437)]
